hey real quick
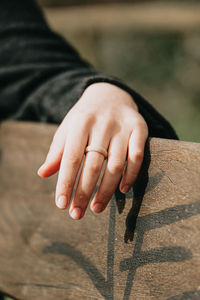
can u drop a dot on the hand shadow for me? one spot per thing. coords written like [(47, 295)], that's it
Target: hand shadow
[(139, 188)]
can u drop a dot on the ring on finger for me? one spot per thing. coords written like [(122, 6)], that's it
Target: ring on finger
[(98, 149)]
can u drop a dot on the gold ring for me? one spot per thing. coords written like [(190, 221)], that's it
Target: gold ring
[(100, 150)]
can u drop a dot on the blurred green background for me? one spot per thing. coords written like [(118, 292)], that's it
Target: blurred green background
[(154, 46)]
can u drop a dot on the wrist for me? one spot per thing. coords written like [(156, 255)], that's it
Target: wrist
[(112, 91)]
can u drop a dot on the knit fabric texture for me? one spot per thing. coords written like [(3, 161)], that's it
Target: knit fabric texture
[(42, 76)]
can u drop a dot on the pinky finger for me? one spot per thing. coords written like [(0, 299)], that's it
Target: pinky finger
[(135, 157)]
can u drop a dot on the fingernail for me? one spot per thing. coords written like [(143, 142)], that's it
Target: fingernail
[(76, 213), (41, 168), (97, 208), (62, 202), (125, 189)]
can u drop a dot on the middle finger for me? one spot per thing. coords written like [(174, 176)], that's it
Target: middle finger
[(90, 174)]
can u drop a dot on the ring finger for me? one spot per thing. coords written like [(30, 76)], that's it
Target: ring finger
[(113, 172)]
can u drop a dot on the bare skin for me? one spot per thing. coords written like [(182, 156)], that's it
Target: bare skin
[(104, 116)]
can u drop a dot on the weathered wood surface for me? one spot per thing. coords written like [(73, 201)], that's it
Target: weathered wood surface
[(44, 254)]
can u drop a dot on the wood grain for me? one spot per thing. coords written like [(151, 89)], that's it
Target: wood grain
[(144, 246)]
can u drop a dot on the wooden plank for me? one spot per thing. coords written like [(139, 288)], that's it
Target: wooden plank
[(44, 254)]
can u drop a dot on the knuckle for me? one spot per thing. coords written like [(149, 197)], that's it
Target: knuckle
[(94, 168), (82, 198), (140, 123), (66, 186), (83, 118), (110, 122), (56, 146), (131, 177), (74, 161), (56, 136), (104, 197), (88, 119), (115, 167), (52, 146), (138, 155), (53, 149), (145, 128)]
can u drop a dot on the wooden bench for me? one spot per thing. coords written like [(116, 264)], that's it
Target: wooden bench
[(144, 246)]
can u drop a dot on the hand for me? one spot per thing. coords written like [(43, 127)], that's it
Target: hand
[(104, 116)]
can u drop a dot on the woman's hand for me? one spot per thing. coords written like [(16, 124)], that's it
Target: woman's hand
[(105, 116)]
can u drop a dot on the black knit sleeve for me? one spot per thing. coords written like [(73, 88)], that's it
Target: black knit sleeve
[(42, 76)]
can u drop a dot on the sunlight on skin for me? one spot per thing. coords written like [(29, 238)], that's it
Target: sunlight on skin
[(105, 116)]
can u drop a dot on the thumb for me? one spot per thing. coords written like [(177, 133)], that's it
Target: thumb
[(54, 156)]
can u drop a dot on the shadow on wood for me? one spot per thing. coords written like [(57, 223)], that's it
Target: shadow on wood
[(144, 246)]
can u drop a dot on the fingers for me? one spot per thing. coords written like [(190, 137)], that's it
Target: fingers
[(113, 172), (135, 157), (115, 166), (70, 165), (67, 152), (90, 174)]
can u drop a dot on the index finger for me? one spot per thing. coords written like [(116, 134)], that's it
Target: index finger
[(70, 164)]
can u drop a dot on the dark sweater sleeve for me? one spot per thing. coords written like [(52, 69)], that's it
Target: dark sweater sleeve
[(42, 76)]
